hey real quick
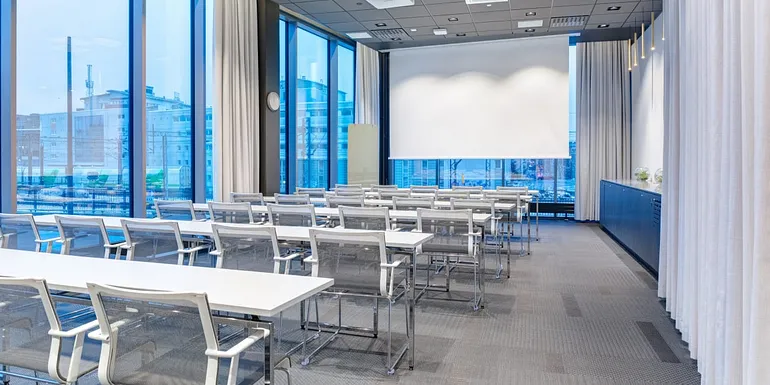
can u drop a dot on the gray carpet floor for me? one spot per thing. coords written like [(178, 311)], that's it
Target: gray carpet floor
[(578, 310)]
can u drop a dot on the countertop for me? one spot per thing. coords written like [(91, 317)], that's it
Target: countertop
[(644, 186)]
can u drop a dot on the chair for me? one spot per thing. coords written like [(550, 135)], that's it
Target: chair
[(231, 212), (360, 266), (151, 337), (335, 201), (176, 210), (378, 187), (19, 232), (349, 190), (519, 210), (472, 189), (389, 194), (86, 237), (292, 215), (251, 248), (492, 237), (454, 241), (158, 241), (412, 204), (256, 199), (36, 339), (365, 218), (289, 199), (311, 192), (444, 195)]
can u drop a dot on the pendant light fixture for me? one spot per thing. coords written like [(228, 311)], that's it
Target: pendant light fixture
[(663, 28), (642, 47), (630, 66), (652, 32), (636, 48)]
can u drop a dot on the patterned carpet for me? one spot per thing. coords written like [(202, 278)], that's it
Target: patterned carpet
[(579, 310)]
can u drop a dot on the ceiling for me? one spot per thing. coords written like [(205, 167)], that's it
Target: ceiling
[(413, 26)]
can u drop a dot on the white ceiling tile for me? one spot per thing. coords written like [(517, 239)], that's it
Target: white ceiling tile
[(461, 19), (575, 10), (323, 6), (347, 27), (448, 9), (335, 17), (484, 17), (373, 14), (494, 26), (413, 11), (416, 22)]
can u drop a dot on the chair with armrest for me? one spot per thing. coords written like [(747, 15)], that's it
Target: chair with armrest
[(86, 237), (292, 215), (249, 247), (335, 201), (389, 194), (492, 239), (311, 192), (292, 199), (365, 218), (256, 199), (471, 189), (20, 232), (158, 241), (176, 210), (444, 195), (151, 337), (231, 212), (361, 267)]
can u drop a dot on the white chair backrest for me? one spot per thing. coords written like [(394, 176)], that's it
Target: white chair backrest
[(481, 206), (349, 190), (390, 193), (82, 236), (400, 203), (125, 315), (472, 189), (253, 198), (231, 212), (342, 200), (153, 240), (504, 196), (311, 192), (19, 231), (378, 187), (521, 189), (292, 215), (444, 195), (175, 210), (353, 259), (343, 185), (448, 227), (424, 189), (292, 199), (365, 218), (246, 247)]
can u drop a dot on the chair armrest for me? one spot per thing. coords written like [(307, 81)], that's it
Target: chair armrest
[(475, 234), (99, 336), (45, 240), (239, 347), (74, 332), (392, 265), (215, 253), (119, 244), (310, 260), (193, 249), (288, 257)]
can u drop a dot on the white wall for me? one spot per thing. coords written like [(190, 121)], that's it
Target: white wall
[(647, 104), (502, 99)]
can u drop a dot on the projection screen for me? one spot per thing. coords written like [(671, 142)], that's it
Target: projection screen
[(504, 99)]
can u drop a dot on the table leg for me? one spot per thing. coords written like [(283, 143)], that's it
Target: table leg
[(537, 218), (529, 231), (269, 361), (411, 276)]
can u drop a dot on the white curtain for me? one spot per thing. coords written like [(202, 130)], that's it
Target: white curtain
[(715, 251), (236, 98), (603, 121), (367, 85)]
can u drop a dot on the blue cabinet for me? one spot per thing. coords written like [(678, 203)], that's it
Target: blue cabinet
[(631, 214)]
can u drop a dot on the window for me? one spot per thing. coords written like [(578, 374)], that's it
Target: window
[(209, 88), (346, 85), (168, 94), (282, 61), (72, 160), (554, 178), (312, 110)]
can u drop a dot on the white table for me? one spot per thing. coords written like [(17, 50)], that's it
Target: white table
[(394, 239), (268, 294), (402, 215)]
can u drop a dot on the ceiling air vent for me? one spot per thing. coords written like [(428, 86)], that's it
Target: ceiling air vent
[(568, 22), (390, 34)]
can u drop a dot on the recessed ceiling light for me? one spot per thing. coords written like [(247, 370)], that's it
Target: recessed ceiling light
[(461, 34), (604, 25), (380, 24), (413, 29), (530, 13), (359, 35), (453, 19), (529, 30), (530, 24), (439, 31), (614, 8)]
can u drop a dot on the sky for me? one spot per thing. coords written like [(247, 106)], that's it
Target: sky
[(99, 31)]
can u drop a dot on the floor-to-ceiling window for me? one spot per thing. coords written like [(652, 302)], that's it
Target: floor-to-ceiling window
[(554, 178), (282, 77), (72, 117), (312, 110), (209, 68), (346, 86), (168, 93)]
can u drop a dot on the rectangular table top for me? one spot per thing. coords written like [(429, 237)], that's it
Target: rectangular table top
[(246, 292)]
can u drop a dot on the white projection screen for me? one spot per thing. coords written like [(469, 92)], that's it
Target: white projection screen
[(503, 99)]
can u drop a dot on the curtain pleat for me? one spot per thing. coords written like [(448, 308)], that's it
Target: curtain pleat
[(603, 121), (715, 235), (367, 85), (236, 98)]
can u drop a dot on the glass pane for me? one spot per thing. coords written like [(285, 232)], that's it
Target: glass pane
[(312, 140), (471, 172), (282, 140), (414, 172), (169, 129), (72, 107), (346, 83), (565, 189), (209, 60)]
